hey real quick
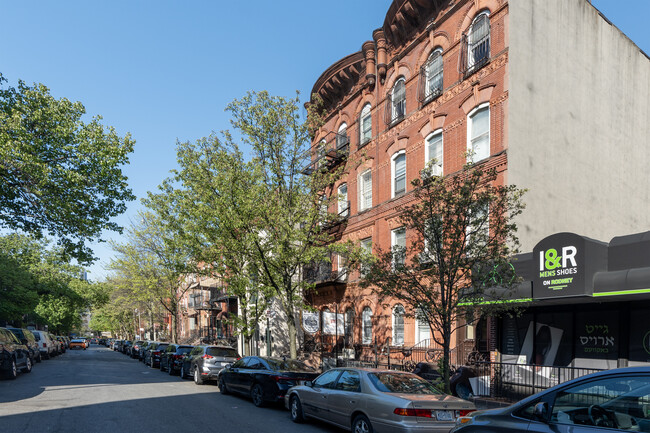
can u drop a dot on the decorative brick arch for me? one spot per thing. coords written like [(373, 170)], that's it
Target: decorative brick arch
[(396, 145), (473, 9), (436, 121), (401, 70), (479, 95), (438, 40)]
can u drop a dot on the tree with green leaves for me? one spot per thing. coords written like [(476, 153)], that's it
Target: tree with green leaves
[(59, 175), (257, 220), (151, 264), (457, 264)]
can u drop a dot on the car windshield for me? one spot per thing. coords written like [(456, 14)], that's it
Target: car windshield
[(222, 351), (288, 365), (77, 341), (403, 383), (184, 349)]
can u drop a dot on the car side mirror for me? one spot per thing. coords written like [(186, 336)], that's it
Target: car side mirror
[(227, 366), (541, 411), (308, 383)]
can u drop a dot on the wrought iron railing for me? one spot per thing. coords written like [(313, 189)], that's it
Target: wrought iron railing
[(475, 50)]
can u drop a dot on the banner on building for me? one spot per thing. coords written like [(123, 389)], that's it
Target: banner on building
[(333, 323)]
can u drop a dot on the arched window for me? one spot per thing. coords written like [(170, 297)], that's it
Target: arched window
[(434, 152), (366, 326), (342, 136), (365, 125), (398, 173), (478, 133), (397, 101), (477, 43), (398, 325), (431, 75), (349, 322)]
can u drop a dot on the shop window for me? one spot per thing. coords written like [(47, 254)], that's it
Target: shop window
[(398, 166), (398, 325), (431, 75), (365, 125), (478, 133), (434, 152), (365, 190), (366, 326)]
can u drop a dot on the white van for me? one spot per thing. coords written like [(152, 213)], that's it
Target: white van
[(45, 343)]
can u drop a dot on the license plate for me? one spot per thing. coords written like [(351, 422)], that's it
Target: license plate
[(444, 415)]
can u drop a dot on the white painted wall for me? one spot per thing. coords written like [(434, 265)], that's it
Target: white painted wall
[(578, 122)]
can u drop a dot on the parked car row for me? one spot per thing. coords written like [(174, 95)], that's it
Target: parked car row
[(21, 348)]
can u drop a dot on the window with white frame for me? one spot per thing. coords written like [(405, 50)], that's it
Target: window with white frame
[(342, 266), (365, 125), (398, 325), (366, 326), (434, 152), (422, 330), (343, 203), (342, 136), (478, 133), (349, 322), (398, 100), (398, 246), (399, 173), (432, 71), (365, 190), (366, 246), (478, 42)]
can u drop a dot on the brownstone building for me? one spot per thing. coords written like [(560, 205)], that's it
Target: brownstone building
[(509, 84)]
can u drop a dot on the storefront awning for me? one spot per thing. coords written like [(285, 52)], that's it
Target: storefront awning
[(627, 282)]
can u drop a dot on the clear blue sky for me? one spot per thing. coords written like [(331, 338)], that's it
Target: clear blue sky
[(164, 70)]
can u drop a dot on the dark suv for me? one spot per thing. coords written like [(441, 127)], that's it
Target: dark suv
[(152, 355), (26, 337), (205, 362), (13, 355), (172, 358)]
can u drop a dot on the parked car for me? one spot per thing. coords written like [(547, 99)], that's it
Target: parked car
[(172, 358), (264, 379), (78, 343), (143, 349), (152, 356), (616, 399), (45, 343), (117, 345), (366, 400), (26, 337), (126, 347), (204, 363), (135, 349), (63, 346), (13, 355)]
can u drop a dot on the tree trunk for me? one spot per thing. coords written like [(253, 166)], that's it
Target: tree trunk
[(446, 355), (247, 345)]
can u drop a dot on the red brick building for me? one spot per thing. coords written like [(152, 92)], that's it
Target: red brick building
[(436, 81)]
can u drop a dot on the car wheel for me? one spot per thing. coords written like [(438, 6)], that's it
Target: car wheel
[(223, 388), (361, 424), (28, 366), (257, 394), (182, 373), (197, 377), (12, 372), (161, 366), (295, 409), (171, 369)]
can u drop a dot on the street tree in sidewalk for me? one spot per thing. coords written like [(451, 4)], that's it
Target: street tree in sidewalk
[(59, 175), (150, 265), (456, 266), (256, 217)]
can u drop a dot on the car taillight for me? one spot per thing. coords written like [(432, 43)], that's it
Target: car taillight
[(282, 378), (177, 356), (156, 352), (206, 356), (44, 345), (425, 413), (463, 412)]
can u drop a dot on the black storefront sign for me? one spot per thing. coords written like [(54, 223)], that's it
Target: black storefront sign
[(564, 265)]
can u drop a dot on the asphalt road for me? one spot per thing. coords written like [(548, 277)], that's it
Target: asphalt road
[(99, 390)]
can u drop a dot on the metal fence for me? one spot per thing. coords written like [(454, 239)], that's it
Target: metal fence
[(513, 382)]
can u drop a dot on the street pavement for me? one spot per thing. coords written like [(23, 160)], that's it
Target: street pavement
[(99, 390)]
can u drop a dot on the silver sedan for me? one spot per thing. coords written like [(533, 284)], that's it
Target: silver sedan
[(368, 400)]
